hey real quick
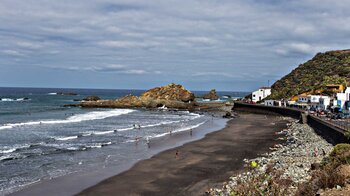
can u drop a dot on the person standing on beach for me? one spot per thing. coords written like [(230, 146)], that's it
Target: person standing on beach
[(177, 154), (148, 142), (191, 132)]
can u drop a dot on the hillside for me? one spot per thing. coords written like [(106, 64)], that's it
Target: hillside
[(327, 68)]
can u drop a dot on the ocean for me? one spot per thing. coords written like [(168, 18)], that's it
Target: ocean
[(41, 140)]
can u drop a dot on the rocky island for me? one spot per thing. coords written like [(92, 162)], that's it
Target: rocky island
[(172, 96), (211, 95)]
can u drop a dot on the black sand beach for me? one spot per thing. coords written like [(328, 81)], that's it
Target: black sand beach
[(195, 167)]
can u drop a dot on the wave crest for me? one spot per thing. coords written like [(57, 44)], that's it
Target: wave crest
[(96, 115)]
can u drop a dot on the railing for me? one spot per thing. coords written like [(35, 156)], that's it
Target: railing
[(343, 124)]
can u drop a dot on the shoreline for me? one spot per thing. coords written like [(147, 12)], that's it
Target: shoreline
[(74, 183), (195, 167), (287, 167)]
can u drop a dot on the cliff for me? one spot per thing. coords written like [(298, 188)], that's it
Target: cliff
[(324, 69)]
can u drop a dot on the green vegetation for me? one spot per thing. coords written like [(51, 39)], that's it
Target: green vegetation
[(329, 175), (325, 68), (272, 182), (340, 155)]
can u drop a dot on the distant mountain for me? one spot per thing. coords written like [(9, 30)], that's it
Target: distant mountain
[(324, 69)]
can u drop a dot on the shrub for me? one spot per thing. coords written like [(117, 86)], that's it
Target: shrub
[(340, 155), (271, 183), (326, 176)]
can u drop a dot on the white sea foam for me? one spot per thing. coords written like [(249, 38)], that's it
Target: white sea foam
[(11, 156), (131, 128), (6, 127), (15, 99), (9, 149), (5, 151), (159, 124), (66, 138), (179, 130), (7, 99), (97, 115), (99, 145), (102, 132), (126, 129), (52, 93)]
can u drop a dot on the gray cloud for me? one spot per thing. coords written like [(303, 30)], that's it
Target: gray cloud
[(204, 40), (121, 69)]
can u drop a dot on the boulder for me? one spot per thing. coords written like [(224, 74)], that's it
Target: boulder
[(91, 98), (228, 115), (171, 92), (211, 95)]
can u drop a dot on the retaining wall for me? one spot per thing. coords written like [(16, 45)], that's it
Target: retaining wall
[(332, 134), (262, 109)]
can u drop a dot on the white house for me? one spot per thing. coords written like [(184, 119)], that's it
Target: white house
[(303, 99), (261, 94), (314, 101), (311, 99), (324, 102), (316, 98), (343, 99), (268, 102), (273, 103)]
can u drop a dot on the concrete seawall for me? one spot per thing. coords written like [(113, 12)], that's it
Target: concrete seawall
[(261, 109), (332, 134)]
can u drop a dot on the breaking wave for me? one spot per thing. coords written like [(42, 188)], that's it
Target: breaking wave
[(97, 115)]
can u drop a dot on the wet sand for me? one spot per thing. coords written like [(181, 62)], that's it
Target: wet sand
[(195, 167)]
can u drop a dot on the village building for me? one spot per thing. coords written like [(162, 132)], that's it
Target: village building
[(337, 88), (343, 100), (325, 103), (261, 94), (273, 103), (313, 101), (303, 99)]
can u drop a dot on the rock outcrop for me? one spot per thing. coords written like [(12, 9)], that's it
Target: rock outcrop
[(172, 96), (91, 98), (171, 92), (211, 95)]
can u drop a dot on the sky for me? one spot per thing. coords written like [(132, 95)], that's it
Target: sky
[(230, 45)]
